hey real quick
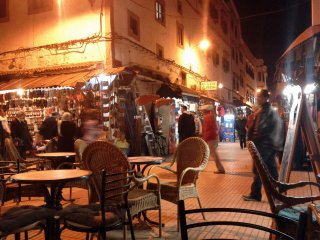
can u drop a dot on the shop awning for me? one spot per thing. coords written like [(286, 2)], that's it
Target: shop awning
[(189, 94), (171, 91), (61, 80)]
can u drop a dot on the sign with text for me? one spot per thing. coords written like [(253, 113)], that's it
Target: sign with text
[(211, 85)]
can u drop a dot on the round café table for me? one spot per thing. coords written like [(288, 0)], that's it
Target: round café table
[(54, 179), (53, 156), (144, 160)]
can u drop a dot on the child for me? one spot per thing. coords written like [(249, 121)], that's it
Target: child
[(122, 143)]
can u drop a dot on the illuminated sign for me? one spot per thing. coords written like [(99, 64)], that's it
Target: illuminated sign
[(211, 85)]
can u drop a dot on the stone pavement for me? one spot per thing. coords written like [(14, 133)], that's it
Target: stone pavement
[(216, 190)]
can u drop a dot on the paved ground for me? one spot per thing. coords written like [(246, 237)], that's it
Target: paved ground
[(216, 190)]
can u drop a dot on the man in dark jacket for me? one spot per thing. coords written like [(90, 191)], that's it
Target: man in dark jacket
[(21, 135), (267, 135), (240, 126), (49, 127), (186, 125)]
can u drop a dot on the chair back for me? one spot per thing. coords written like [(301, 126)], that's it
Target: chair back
[(12, 152), (236, 221), (192, 152), (101, 155)]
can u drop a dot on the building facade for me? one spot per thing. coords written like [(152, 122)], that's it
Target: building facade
[(39, 37)]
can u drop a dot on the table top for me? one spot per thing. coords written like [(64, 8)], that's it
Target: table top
[(145, 160), (56, 154), (50, 176)]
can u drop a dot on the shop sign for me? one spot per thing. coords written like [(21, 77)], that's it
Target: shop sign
[(211, 85)]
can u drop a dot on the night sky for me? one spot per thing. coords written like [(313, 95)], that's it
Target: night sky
[(269, 26)]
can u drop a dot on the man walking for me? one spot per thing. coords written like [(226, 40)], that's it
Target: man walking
[(210, 135), (240, 126), (186, 125), (266, 133)]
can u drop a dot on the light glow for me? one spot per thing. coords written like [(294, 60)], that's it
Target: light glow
[(204, 44), (20, 91), (309, 88), (220, 85)]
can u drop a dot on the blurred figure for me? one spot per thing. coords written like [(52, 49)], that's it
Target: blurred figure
[(210, 135), (121, 142), (49, 127), (5, 132), (186, 125), (197, 123), (250, 120), (91, 126), (67, 133), (267, 134), (240, 126), (21, 135)]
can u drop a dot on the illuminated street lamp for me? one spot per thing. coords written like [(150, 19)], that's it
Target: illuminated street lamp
[(204, 44), (220, 85)]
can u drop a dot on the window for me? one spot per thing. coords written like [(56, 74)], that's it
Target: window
[(214, 12), (160, 11), (179, 7), (241, 57), (4, 10), (224, 23), (233, 54), (225, 64), (183, 78), (133, 25), (159, 50), (241, 79), (39, 6), (215, 57), (180, 33)]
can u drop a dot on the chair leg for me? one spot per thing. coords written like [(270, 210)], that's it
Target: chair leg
[(26, 235), (160, 223), (178, 218), (17, 236), (130, 224), (204, 218)]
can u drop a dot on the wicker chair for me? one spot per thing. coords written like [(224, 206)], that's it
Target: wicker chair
[(280, 203), (103, 155), (15, 220), (191, 157)]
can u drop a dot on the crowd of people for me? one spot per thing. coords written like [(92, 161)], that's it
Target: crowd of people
[(56, 133)]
